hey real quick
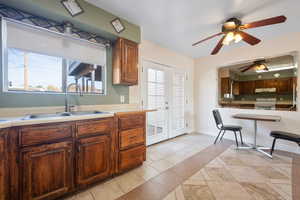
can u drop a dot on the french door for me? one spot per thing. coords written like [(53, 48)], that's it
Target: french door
[(163, 90)]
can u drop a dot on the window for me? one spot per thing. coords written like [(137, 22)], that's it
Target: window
[(38, 60), (29, 71)]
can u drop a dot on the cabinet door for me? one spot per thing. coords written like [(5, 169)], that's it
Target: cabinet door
[(93, 160), (272, 83), (259, 84), (236, 88), (3, 167), (129, 62), (225, 86), (247, 87), (285, 85), (47, 171)]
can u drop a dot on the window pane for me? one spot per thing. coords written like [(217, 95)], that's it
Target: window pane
[(28, 71), (86, 76)]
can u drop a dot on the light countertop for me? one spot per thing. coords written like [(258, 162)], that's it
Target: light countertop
[(253, 102), (21, 121)]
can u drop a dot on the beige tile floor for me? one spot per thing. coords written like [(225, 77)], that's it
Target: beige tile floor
[(239, 175), (160, 157)]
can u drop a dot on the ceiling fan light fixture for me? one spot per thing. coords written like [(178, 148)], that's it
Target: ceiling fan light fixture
[(260, 67), (228, 38), (230, 25), (237, 38)]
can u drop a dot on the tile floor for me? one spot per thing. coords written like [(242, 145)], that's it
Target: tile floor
[(189, 167), (160, 157), (239, 175)]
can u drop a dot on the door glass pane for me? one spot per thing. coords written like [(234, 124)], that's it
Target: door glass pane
[(178, 101), (156, 98)]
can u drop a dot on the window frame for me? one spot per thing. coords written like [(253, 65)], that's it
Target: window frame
[(65, 61)]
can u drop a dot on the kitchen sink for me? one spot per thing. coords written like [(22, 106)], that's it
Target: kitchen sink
[(39, 116), (87, 112), (63, 114)]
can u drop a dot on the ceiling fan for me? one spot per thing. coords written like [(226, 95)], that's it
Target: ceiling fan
[(233, 31), (259, 65)]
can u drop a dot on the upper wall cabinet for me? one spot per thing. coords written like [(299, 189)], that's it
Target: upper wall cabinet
[(125, 62)]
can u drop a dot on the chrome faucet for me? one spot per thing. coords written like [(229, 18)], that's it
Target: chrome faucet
[(67, 106)]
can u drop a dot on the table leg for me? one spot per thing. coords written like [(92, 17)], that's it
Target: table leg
[(254, 146), (255, 134)]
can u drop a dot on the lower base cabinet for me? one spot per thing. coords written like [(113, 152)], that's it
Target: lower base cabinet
[(132, 158), (93, 160), (52, 160), (47, 171), (3, 166)]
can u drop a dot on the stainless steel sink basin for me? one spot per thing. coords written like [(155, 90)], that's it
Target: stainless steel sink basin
[(39, 116), (64, 114), (87, 112)]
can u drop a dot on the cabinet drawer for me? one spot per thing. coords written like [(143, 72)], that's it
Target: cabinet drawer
[(131, 137), (130, 121), (94, 127), (131, 158), (44, 133)]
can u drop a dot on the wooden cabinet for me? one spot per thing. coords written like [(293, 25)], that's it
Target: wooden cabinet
[(40, 134), (47, 171), (259, 84), (93, 160), (125, 62), (3, 166), (47, 161), (94, 127), (272, 83), (247, 87), (236, 88), (225, 86), (132, 140), (285, 85), (132, 157)]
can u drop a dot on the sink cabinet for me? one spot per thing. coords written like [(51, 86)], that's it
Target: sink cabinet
[(93, 160), (52, 160), (3, 166), (94, 155), (47, 171)]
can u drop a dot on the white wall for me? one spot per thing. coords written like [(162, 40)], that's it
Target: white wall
[(153, 52), (206, 86)]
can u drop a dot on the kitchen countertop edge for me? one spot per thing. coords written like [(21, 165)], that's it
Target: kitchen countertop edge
[(20, 121)]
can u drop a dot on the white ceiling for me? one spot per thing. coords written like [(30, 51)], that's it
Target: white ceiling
[(177, 24)]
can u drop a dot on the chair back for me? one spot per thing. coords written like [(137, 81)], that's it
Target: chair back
[(218, 118)]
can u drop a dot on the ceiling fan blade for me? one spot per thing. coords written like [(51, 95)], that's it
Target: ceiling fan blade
[(248, 68), (218, 47), (265, 22), (249, 38), (208, 38)]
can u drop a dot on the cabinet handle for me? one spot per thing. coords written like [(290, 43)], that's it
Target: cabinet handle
[(78, 148), (132, 137)]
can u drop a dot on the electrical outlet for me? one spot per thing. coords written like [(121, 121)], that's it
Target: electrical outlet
[(122, 99)]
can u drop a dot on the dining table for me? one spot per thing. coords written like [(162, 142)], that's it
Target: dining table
[(255, 118)]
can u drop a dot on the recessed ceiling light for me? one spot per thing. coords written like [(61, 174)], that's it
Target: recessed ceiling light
[(277, 75)]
